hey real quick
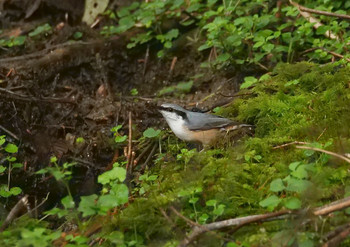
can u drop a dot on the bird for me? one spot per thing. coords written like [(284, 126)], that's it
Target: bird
[(197, 127)]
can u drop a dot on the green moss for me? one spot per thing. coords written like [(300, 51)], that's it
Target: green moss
[(314, 108)]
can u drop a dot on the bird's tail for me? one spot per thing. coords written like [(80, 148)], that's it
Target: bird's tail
[(238, 126), (245, 126)]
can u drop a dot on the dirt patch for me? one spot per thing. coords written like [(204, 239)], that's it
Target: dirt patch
[(55, 90)]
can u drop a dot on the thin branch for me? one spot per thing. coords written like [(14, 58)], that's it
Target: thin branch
[(198, 230), (145, 150), (149, 157), (15, 211), (238, 222), (316, 23), (41, 203), (22, 97), (172, 66), (129, 143), (326, 152), (190, 222), (331, 207), (320, 12), (145, 61), (167, 217), (290, 143), (9, 132), (338, 238), (335, 54)]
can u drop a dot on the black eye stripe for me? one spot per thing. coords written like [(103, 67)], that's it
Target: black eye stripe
[(169, 109)]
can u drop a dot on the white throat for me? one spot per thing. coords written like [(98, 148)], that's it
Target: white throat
[(177, 125)]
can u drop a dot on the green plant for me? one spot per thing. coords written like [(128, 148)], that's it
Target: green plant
[(180, 88), (146, 182), (151, 133), (118, 138), (9, 150), (185, 155), (269, 33), (42, 29), (192, 192), (77, 35), (218, 209), (13, 41), (134, 92)]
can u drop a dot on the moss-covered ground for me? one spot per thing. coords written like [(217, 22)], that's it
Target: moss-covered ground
[(303, 102)]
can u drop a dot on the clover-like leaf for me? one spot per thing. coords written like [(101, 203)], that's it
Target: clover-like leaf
[(150, 133)]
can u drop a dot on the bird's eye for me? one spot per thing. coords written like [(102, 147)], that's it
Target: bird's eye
[(170, 109)]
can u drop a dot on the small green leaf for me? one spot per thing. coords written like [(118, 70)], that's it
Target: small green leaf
[(271, 202), (223, 57), (116, 128), (121, 193), (2, 140), (292, 203), (185, 87), (40, 29), (68, 202), (77, 35), (2, 168), (293, 166), (211, 203), (11, 148), (15, 191), (248, 82), (19, 40), (57, 211), (293, 82), (56, 173), (203, 218), (80, 140), (87, 205), (119, 139), (300, 172), (108, 201), (17, 165), (152, 178), (232, 244), (219, 210), (116, 173), (134, 92), (11, 159), (297, 185), (150, 133), (277, 185), (193, 200)]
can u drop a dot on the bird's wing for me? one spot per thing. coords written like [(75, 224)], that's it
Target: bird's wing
[(201, 121)]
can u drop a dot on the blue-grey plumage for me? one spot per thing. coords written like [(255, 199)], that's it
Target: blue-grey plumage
[(196, 126)]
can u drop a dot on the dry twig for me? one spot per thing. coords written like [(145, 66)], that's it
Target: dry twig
[(333, 206), (129, 143), (320, 12), (145, 150), (15, 211), (198, 230), (316, 23), (290, 143), (9, 132), (338, 238), (172, 66), (238, 222), (145, 62), (149, 157), (326, 152)]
